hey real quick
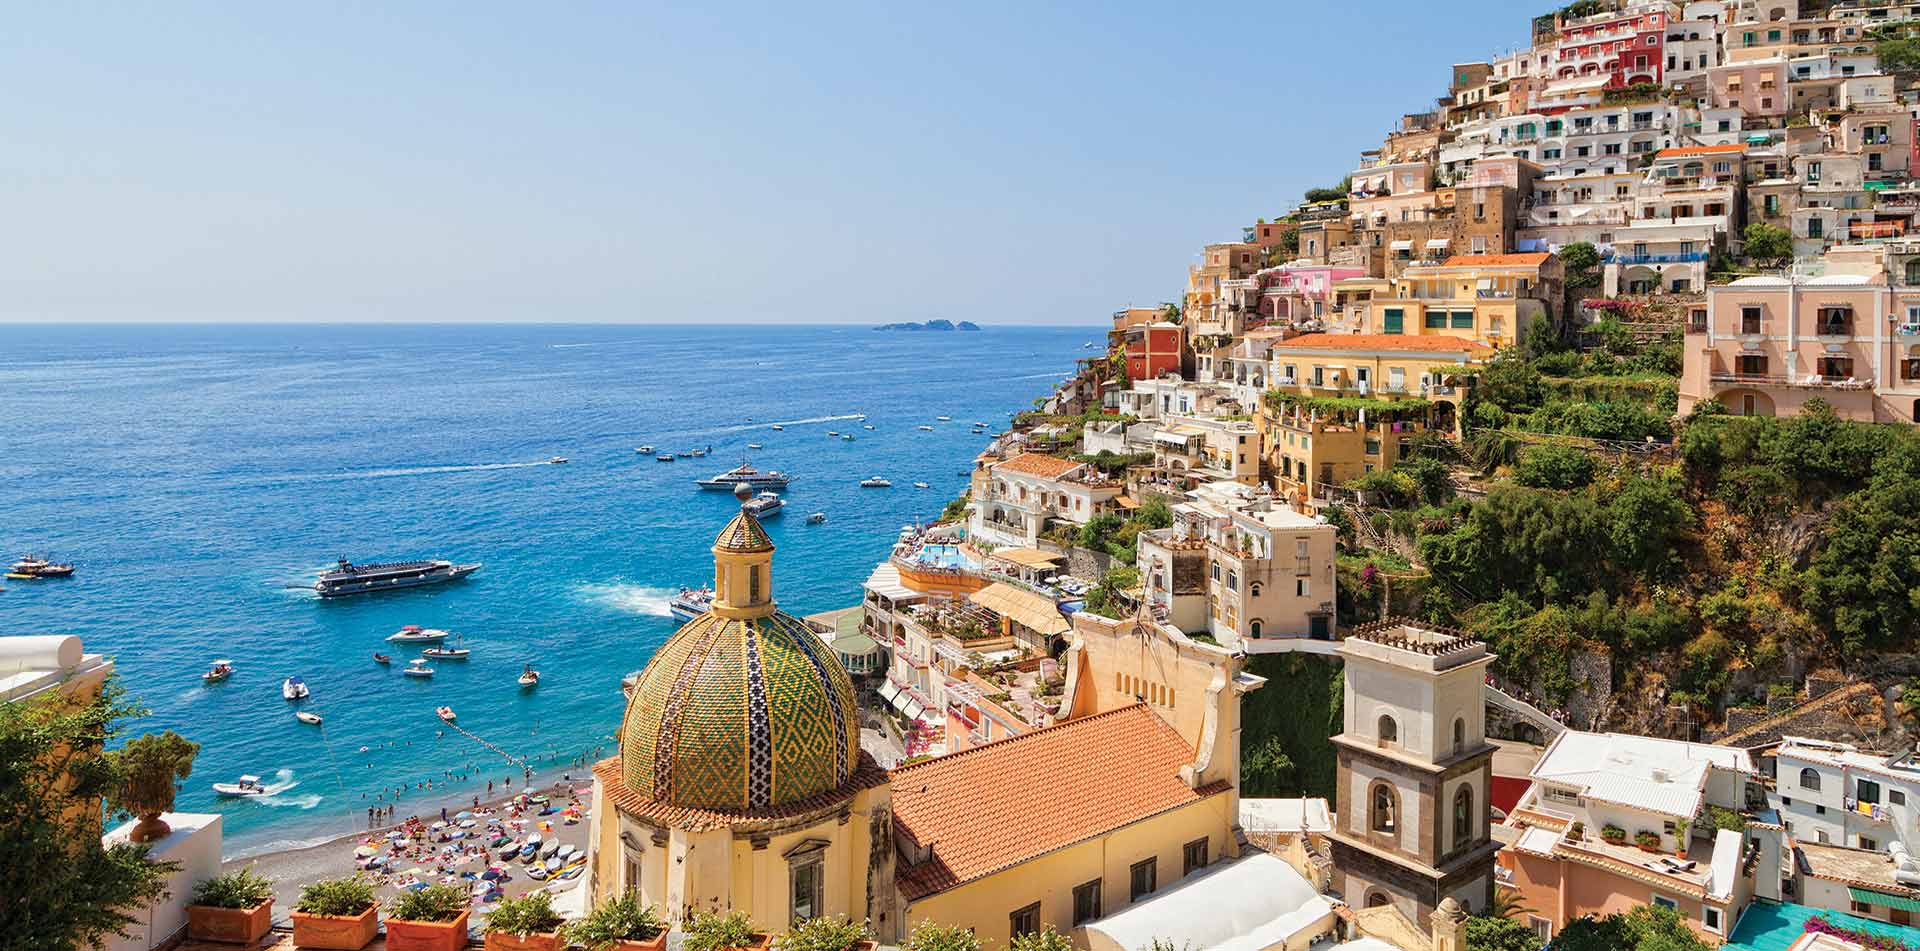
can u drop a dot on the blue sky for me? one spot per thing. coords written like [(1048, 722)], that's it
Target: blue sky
[(708, 162)]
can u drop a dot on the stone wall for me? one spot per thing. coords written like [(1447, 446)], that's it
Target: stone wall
[(1082, 563)]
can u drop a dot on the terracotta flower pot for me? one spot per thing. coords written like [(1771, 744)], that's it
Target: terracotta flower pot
[(427, 935), (538, 941), (656, 943), (230, 925), (335, 932)]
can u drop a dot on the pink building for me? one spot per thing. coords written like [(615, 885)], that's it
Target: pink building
[(1299, 290), (1755, 88), (1850, 336)]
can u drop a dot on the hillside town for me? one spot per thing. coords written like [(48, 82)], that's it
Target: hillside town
[(1508, 545)]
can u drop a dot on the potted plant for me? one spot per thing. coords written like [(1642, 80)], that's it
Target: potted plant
[(149, 770), (1578, 831), (1680, 835), (339, 914), (526, 923), (620, 924), (933, 937), (828, 934), (732, 931), (1613, 834), (433, 918), (236, 908), (1647, 841)]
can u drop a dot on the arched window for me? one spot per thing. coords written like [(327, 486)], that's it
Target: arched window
[(1463, 816), (1388, 731), (1459, 734), (1376, 898), (1383, 808), (1809, 780), (1253, 629), (1253, 589)]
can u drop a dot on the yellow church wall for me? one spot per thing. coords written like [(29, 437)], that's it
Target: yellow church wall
[(986, 904)]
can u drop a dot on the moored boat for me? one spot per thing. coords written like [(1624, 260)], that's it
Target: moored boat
[(663, 457), (816, 518), (925, 428), (348, 578), (380, 658), (764, 505), (445, 713), (755, 445), (37, 566), (920, 485), (875, 482), (307, 716), (415, 634), (643, 450), (447, 653), (417, 668), (529, 677), (293, 688)]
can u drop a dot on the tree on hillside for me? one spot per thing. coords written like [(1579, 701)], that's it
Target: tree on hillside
[(1335, 193), (1898, 55), (1581, 261), (65, 890), (1764, 242)]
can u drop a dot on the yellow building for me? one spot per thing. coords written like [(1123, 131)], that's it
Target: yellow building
[(1487, 298), (740, 784), (1343, 405)]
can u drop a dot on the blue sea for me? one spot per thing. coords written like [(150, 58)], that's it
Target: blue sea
[(196, 473)]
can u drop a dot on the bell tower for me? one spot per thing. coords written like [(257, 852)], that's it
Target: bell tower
[(743, 565), (1413, 773)]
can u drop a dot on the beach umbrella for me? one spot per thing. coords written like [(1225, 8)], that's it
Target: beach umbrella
[(438, 825), (464, 815), (365, 851), (466, 823)]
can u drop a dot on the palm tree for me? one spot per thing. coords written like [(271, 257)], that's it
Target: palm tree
[(1506, 903)]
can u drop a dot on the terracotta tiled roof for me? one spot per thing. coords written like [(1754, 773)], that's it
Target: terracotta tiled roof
[(994, 806), (1687, 150), (743, 534), (1530, 259), (1423, 343), (1040, 464), (866, 775)]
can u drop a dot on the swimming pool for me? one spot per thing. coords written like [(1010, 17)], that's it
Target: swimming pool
[(950, 557), (1774, 926)]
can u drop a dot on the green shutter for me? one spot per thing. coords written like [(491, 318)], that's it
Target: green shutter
[(1392, 321), (1436, 320), (1463, 320)]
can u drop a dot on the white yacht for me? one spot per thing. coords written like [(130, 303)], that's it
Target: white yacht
[(415, 634), (764, 505), (875, 482), (293, 688)]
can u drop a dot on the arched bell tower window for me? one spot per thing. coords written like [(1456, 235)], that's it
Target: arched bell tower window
[(1387, 729), (1383, 808), (1463, 816)]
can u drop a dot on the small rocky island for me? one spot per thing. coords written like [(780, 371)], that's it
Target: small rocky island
[(935, 324)]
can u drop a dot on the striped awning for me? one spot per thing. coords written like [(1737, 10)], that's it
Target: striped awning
[(1867, 896)]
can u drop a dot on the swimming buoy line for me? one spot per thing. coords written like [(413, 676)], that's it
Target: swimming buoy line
[(503, 754)]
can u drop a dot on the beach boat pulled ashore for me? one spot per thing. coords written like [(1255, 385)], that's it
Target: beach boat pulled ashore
[(347, 578), (293, 688), (247, 786)]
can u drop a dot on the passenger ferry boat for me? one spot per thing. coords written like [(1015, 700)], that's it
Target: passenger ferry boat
[(764, 505), (37, 566), (754, 479), (690, 603), (348, 578)]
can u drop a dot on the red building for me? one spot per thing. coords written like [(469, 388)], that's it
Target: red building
[(1153, 349), (1628, 47)]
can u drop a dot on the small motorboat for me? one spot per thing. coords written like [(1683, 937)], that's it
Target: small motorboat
[(779, 428), (926, 429), (663, 457), (551, 849), (293, 688), (510, 850), (566, 854), (247, 786), (446, 653), (529, 677), (308, 716), (816, 518), (755, 445), (643, 450), (538, 872), (445, 713), (875, 483), (847, 437), (532, 848), (380, 658), (415, 634), (557, 461), (920, 485), (867, 426), (833, 432), (697, 453), (552, 865), (417, 667), (764, 505), (220, 670)]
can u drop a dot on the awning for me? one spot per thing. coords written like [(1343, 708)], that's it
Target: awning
[(1402, 246), (1876, 186), (1023, 607), (885, 581), (889, 690), (1867, 896), (1758, 139), (1251, 903), (1438, 244), (1028, 557)]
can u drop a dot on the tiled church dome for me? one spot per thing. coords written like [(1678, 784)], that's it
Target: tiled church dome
[(743, 709)]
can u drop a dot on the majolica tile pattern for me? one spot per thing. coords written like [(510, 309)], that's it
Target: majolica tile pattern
[(739, 715)]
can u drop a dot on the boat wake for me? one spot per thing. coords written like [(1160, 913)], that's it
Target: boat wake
[(747, 427), (630, 598), (276, 795), (397, 472)]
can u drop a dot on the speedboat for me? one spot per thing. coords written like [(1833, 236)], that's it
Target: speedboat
[(920, 485), (697, 453), (755, 445), (663, 457), (832, 432), (944, 419), (417, 668), (529, 677), (979, 424), (307, 716), (643, 450), (779, 428), (925, 429), (764, 505), (847, 436), (867, 426), (415, 634), (690, 603), (247, 786), (447, 653), (875, 483), (816, 518), (557, 461), (221, 670), (380, 658), (293, 688), (445, 713)]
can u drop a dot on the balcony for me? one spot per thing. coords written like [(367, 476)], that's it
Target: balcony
[(1813, 380), (1492, 294), (1678, 257)]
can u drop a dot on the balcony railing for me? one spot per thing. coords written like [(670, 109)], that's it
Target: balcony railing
[(1679, 257), (1781, 379)]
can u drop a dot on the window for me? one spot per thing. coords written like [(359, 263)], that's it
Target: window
[(1459, 734), (1542, 927), (1859, 907), (1749, 320), (1866, 790), (1302, 587), (1387, 730), (1710, 918), (1868, 844), (1463, 816), (753, 584), (1025, 921), (1662, 901), (1436, 319), (1896, 798), (1086, 902), (1392, 321), (1809, 779), (1382, 808), (1193, 856), (1751, 365), (1463, 320), (807, 882), (1144, 879)]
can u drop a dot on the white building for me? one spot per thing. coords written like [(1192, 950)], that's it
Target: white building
[(1838, 794)]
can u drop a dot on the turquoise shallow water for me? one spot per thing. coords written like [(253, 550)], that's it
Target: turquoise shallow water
[(193, 472)]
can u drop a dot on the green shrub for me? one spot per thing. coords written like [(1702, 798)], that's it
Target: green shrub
[(1553, 467), (824, 934), (934, 937), (432, 903), (338, 897), (242, 888), (528, 914), (715, 932), (617, 919), (1046, 939)]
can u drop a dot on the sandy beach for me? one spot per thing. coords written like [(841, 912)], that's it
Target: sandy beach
[(412, 850)]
